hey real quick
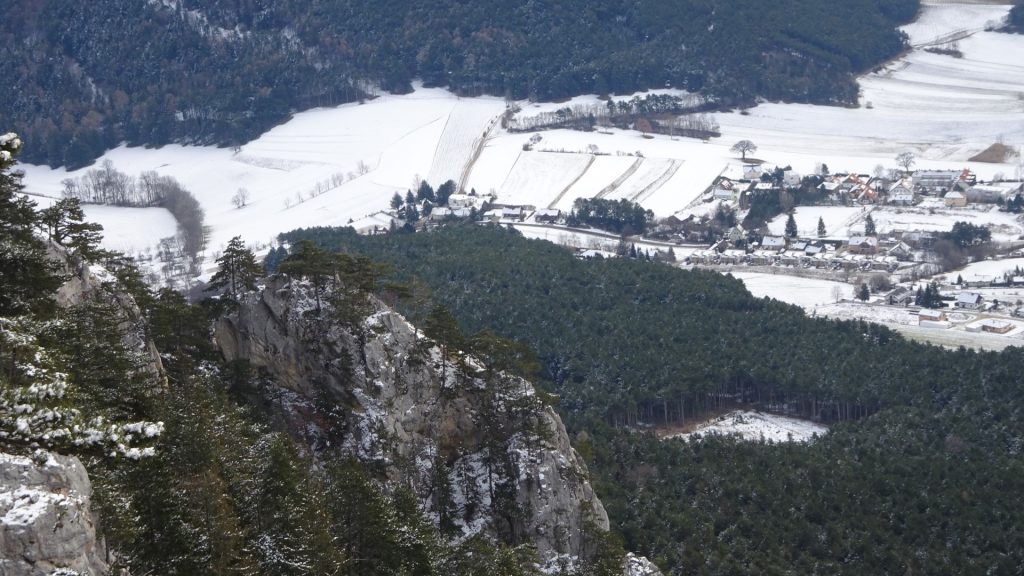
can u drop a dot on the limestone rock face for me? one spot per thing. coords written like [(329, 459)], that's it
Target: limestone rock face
[(384, 393), (45, 520), (93, 283)]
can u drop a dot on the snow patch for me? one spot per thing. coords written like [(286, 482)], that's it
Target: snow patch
[(755, 426)]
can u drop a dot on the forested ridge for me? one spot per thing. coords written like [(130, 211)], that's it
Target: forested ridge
[(188, 476), (919, 474), (84, 77)]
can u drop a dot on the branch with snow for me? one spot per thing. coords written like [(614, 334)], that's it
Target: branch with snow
[(35, 411)]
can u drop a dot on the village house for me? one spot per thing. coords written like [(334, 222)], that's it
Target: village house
[(751, 172), (994, 192), (901, 296), (992, 325), (829, 187), (724, 189), (939, 181), (376, 223), (862, 244), (548, 215), (969, 300), (918, 240), (774, 243), (791, 179), (456, 201), (930, 315), (902, 193), (901, 251), (954, 199), (513, 213), (442, 213)]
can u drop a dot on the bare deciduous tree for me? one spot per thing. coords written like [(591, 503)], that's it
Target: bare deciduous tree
[(744, 146), (906, 160), (241, 198)]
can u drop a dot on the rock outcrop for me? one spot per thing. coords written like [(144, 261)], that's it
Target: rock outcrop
[(46, 525), (479, 448), (87, 283)]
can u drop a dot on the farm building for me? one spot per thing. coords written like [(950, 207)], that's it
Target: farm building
[(930, 315), (955, 199)]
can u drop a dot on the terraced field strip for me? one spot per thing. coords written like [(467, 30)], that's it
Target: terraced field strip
[(554, 203), (622, 178), (650, 189)]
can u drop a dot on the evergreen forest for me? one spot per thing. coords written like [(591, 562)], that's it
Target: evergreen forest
[(82, 77), (919, 474), (188, 476)]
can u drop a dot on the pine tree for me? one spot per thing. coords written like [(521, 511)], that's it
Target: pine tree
[(425, 192), (237, 270), (444, 191), (869, 226), (864, 292), (791, 230), (442, 326), (27, 276), (396, 201), (312, 262), (65, 225), (821, 227)]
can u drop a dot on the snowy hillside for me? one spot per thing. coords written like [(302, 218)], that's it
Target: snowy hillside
[(333, 166)]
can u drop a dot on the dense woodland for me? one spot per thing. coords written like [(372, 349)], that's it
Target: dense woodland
[(919, 475), (83, 77), (1015, 22)]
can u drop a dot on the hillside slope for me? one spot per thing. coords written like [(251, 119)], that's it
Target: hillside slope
[(87, 77)]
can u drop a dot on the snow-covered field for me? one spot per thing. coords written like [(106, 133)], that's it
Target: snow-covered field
[(987, 270), (372, 150), (1004, 226), (539, 177), (356, 156), (807, 293), (132, 230), (758, 426), (837, 219), (604, 171)]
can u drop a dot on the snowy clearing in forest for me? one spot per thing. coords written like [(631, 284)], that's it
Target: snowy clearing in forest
[(806, 293), (754, 426), (132, 230)]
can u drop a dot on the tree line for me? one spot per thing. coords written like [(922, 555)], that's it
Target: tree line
[(109, 186)]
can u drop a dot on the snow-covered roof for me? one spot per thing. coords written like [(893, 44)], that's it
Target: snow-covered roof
[(968, 298), (954, 195), (863, 241)]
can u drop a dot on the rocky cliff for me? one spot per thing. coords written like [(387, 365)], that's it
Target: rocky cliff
[(481, 451), (87, 283), (46, 526)]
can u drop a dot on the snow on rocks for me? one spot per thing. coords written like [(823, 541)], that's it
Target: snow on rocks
[(639, 566), (46, 524)]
